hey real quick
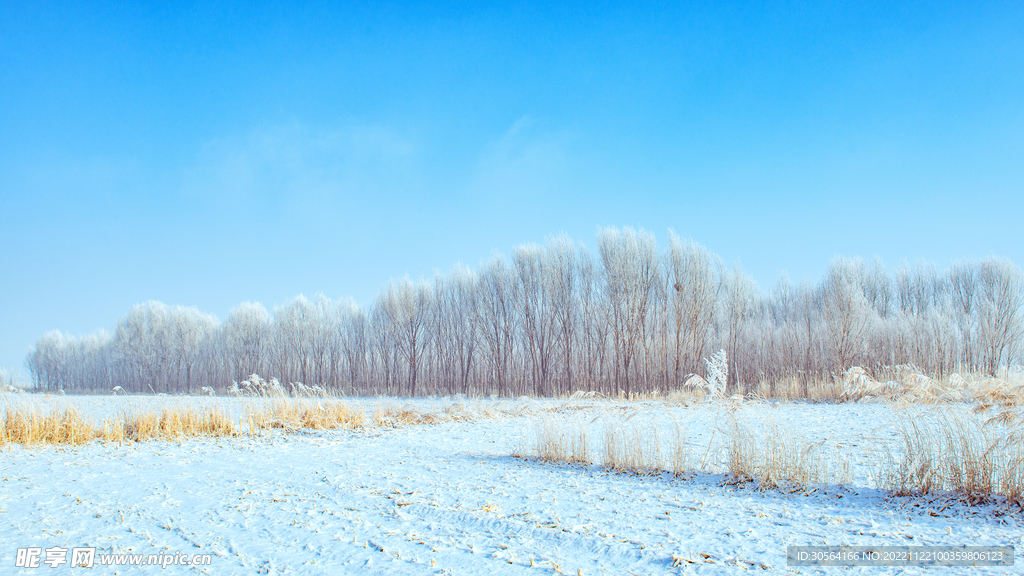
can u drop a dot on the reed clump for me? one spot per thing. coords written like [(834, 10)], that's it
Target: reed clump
[(628, 445), (561, 440), (780, 459), (969, 454), (292, 415), (648, 443), (908, 385), (28, 425), (175, 423)]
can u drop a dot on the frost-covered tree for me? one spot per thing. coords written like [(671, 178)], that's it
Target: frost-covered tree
[(999, 308), (630, 267), (407, 307), (847, 312), (695, 277), (245, 336), (498, 320), (535, 310)]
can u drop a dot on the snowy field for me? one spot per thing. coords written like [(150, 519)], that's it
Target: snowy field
[(451, 499)]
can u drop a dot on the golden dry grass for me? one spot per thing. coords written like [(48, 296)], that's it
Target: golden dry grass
[(175, 423), (796, 388), (637, 447), (907, 385), (30, 424), (26, 425), (291, 415), (686, 396)]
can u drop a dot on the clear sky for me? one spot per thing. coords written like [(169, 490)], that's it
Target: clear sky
[(209, 154)]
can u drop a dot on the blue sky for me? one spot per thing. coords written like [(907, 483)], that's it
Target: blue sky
[(209, 154)]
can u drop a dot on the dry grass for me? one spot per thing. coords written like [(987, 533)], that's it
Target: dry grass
[(175, 423), (637, 447), (394, 416), (973, 456), (562, 440), (258, 387), (388, 415), (777, 458), (1006, 391), (797, 388), (29, 424), (686, 396), (787, 388), (770, 456), (292, 415), (908, 385), (977, 455), (903, 383), (630, 444)]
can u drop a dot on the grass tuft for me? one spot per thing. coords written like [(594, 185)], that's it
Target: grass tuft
[(175, 423), (777, 458), (975, 457), (27, 426), (627, 445)]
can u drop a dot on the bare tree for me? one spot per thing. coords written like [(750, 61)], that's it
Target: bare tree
[(963, 285), (408, 308), (696, 281), (245, 335), (1000, 323), (848, 314), (563, 281), (498, 319), (143, 340), (535, 312), (740, 299), (630, 273), (354, 328)]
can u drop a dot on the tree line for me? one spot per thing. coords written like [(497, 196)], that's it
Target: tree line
[(556, 318)]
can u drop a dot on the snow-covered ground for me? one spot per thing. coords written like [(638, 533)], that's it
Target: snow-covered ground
[(450, 499)]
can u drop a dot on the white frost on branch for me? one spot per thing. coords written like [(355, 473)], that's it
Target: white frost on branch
[(718, 373), (718, 376)]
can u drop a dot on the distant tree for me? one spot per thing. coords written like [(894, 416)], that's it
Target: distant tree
[(847, 312), (143, 340), (498, 320), (630, 273), (245, 335), (355, 345), (696, 282), (563, 281), (1000, 323), (535, 311), (738, 308), (407, 307)]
